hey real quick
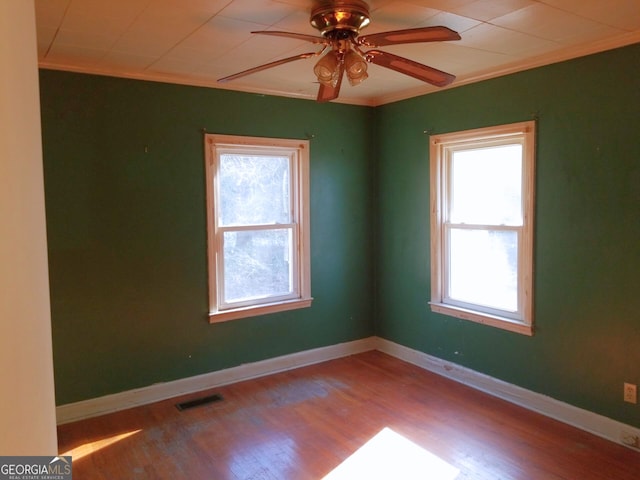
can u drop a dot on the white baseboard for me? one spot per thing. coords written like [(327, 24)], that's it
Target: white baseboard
[(583, 419), (72, 412), (577, 417)]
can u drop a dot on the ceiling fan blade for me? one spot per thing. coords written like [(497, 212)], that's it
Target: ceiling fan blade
[(297, 36), (409, 67), (412, 35), (267, 65), (326, 93)]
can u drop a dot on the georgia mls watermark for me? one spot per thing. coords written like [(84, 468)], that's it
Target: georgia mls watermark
[(35, 468)]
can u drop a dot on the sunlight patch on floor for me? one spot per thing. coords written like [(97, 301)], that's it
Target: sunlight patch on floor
[(389, 455), (92, 447)]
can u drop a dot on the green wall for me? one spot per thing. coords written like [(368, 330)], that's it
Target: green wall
[(587, 250), (125, 199), (127, 236)]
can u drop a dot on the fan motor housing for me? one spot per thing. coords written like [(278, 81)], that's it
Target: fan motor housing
[(350, 15)]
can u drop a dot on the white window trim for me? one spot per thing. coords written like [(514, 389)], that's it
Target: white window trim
[(439, 144), (300, 188)]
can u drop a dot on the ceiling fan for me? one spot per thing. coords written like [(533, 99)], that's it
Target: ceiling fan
[(339, 23)]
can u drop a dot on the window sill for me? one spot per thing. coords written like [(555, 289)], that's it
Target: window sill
[(485, 319), (254, 311)]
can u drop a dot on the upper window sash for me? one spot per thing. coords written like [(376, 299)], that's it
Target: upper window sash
[(448, 152)]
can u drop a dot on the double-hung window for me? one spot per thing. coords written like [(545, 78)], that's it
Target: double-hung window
[(258, 225), (482, 206)]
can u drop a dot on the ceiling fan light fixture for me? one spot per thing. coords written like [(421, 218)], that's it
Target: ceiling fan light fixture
[(340, 22), (355, 67), (351, 15), (327, 69)]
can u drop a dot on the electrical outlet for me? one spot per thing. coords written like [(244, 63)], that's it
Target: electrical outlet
[(630, 393)]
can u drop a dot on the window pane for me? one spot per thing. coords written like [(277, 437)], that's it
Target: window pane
[(257, 264), (486, 186), (483, 268), (254, 190)]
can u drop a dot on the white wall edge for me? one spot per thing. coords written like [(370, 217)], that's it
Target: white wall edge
[(583, 419), (93, 407)]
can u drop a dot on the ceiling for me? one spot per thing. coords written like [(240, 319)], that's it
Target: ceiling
[(196, 42)]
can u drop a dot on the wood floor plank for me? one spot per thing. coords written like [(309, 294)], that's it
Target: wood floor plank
[(303, 424)]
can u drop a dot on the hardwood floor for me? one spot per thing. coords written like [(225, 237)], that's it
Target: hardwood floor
[(307, 423)]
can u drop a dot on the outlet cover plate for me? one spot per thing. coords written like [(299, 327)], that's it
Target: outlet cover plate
[(630, 393)]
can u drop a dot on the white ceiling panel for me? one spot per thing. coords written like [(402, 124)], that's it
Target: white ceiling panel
[(455, 22), (88, 39), (265, 12), (486, 10), (96, 15), (616, 13), (547, 22), (444, 5), (51, 13), (128, 62), (76, 57), (297, 21), (399, 15), (135, 42), (493, 38)]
